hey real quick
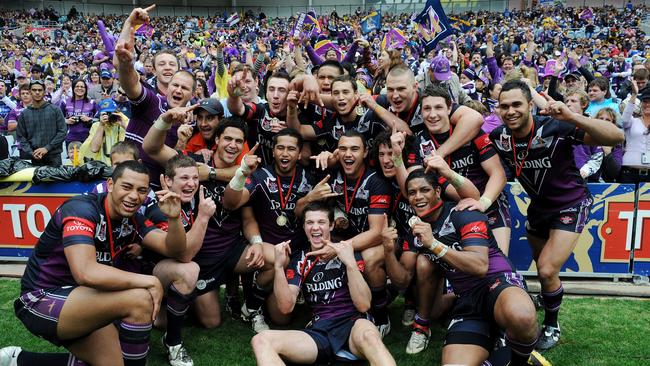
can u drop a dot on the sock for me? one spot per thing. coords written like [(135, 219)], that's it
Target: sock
[(177, 305), (420, 323), (552, 302), (409, 297), (379, 302), (26, 358), (520, 351), (134, 340), (499, 357), (255, 296)]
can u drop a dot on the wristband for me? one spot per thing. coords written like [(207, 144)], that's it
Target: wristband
[(457, 180), (212, 175), (244, 168), (238, 182), (397, 160), (434, 244), (442, 252), (256, 239), (162, 125), (485, 202)]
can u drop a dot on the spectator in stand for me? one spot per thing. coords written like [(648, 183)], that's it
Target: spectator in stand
[(41, 129), (6, 106), (106, 88), (613, 156), (599, 96), (636, 159), (11, 121), (64, 92), (105, 133), (79, 112)]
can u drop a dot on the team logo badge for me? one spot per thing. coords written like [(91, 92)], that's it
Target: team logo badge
[(427, 148), (271, 184), (338, 131), (566, 219), (504, 142), (265, 123), (100, 232), (200, 284)]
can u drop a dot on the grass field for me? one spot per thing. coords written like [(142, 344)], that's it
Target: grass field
[(595, 332)]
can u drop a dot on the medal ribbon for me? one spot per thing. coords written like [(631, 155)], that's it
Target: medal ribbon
[(111, 244), (437, 145), (520, 166), (348, 204), (285, 199)]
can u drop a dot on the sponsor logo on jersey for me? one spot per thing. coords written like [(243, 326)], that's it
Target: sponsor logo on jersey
[(566, 219), (332, 284), (427, 148)]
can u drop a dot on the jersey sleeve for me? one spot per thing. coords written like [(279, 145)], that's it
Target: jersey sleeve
[(361, 265), (484, 146), (145, 225), (253, 111), (294, 270), (252, 181), (472, 228), (78, 223), (152, 212), (379, 196)]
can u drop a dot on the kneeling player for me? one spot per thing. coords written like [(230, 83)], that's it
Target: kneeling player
[(72, 296), (338, 295), (490, 292)]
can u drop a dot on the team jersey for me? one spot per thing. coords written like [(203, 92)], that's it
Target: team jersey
[(465, 161), (224, 227), (370, 194), (545, 160), (268, 206), (259, 119), (329, 127), (144, 111), (324, 284), (412, 116), (80, 220), (460, 229)]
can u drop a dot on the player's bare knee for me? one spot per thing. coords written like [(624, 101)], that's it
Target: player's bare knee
[(210, 322), (261, 341), (522, 322), (369, 337), (373, 258), (423, 267), (139, 305), (547, 272), (189, 275)]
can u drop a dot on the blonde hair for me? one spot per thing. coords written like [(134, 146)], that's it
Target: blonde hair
[(530, 73), (609, 113), (582, 95), (477, 106)]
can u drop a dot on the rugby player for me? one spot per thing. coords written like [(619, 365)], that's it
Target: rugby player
[(337, 293), (539, 149)]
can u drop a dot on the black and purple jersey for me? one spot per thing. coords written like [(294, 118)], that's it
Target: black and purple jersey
[(80, 220), (324, 284), (544, 162), (267, 205), (460, 229), (412, 116), (465, 161), (259, 118), (144, 111), (224, 227), (370, 194), (329, 127)]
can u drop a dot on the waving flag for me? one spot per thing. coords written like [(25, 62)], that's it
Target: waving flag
[(145, 30), (460, 25), (325, 45), (306, 25), (393, 39), (107, 38), (371, 22), (587, 14), (433, 25), (233, 19)]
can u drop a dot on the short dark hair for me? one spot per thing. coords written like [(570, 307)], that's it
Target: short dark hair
[(332, 63), (249, 68), (291, 132), (319, 206), (232, 121), (437, 90), (190, 75), (432, 178), (280, 74), (126, 147), (344, 79), (164, 51), (355, 133), (517, 84), (133, 165), (178, 161), (641, 74), (602, 83)]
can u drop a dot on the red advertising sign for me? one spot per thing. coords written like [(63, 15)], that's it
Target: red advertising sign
[(23, 218)]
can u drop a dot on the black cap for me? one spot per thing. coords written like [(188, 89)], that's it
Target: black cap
[(37, 68), (644, 94), (574, 74), (211, 105)]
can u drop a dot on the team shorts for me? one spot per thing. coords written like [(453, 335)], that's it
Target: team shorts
[(499, 213), (332, 336), (214, 272), (472, 317), (571, 219), (39, 310)]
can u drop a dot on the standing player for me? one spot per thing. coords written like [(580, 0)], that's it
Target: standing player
[(337, 293), (539, 149), (72, 296)]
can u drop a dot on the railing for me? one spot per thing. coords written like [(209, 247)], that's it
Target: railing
[(386, 6)]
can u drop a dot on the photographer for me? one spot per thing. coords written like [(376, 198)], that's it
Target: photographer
[(104, 134)]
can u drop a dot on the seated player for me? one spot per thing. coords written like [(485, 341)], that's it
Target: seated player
[(337, 293), (490, 293), (72, 296)]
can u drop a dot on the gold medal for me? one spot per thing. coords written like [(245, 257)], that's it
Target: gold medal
[(281, 220), (413, 220), (392, 223), (361, 110)]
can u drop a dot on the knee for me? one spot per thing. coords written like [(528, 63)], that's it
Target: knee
[(210, 322), (373, 258), (369, 337), (522, 322), (139, 305), (546, 271), (190, 274), (424, 268), (261, 341)]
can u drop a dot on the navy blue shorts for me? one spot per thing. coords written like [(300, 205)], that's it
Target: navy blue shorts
[(332, 336), (571, 219), (213, 273), (472, 318), (499, 213), (39, 310)]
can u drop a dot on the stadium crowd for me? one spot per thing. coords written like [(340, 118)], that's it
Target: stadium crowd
[(341, 168)]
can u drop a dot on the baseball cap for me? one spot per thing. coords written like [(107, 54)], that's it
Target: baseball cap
[(574, 74), (107, 106), (211, 105), (471, 74), (106, 74), (440, 68)]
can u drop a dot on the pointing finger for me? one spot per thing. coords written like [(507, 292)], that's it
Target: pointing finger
[(324, 180), (150, 8)]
